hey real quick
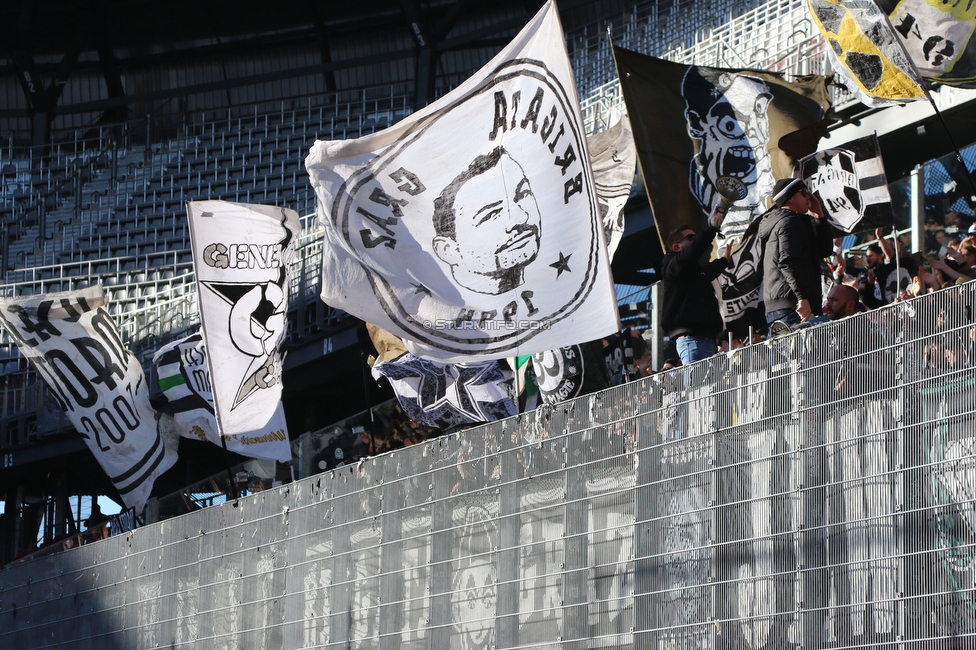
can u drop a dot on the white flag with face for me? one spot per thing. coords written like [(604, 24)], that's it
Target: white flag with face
[(73, 343), (183, 373), (241, 255), (472, 228)]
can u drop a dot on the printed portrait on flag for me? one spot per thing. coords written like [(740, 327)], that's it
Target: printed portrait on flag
[(472, 227), (74, 344), (727, 118), (851, 184), (487, 234), (693, 125), (241, 255)]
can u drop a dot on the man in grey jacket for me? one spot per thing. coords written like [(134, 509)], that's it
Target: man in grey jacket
[(795, 236)]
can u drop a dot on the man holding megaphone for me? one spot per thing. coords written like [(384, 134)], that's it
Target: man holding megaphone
[(690, 314)]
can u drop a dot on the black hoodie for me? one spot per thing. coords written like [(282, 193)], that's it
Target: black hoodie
[(793, 245)]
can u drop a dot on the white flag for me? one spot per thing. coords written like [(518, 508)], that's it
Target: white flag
[(614, 156), (241, 255), (73, 343), (472, 227), (183, 373)]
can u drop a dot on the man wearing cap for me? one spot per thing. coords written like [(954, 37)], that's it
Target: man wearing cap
[(794, 237)]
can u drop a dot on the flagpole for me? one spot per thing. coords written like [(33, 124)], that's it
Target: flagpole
[(923, 85), (231, 485), (955, 147)]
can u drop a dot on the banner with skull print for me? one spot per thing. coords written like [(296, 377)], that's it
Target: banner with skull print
[(73, 343), (472, 228), (694, 125), (241, 255), (183, 373), (851, 184)]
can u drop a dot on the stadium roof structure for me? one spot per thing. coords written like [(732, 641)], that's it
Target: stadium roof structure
[(120, 40)]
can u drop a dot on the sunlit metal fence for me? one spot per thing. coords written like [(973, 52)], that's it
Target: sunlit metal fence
[(813, 491)]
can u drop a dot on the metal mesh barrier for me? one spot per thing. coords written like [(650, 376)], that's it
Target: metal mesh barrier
[(813, 491)]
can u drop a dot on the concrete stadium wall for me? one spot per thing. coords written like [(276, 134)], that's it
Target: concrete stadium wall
[(814, 491)]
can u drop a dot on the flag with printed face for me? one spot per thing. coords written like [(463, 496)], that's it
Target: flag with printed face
[(241, 255), (694, 125), (614, 159), (73, 343), (472, 228), (851, 184), (938, 37), (183, 374), (864, 48)]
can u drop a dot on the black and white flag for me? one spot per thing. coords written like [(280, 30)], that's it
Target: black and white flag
[(183, 374), (570, 371), (851, 184), (241, 255), (472, 228), (447, 395), (614, 157), (73, 343)]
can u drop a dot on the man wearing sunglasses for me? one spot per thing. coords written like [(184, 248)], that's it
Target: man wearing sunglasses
[(794, 237), (690, 313)]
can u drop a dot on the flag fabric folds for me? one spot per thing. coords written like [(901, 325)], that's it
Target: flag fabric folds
[(448, 395), (241, 255), (183, 373), (851, 184), (614, 159), (472, 227), (570, 371), (73, 343), (938, 37), (865, 49), (693, 125)]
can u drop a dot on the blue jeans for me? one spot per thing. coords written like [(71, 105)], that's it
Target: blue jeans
[(788, 316), (695, 348)]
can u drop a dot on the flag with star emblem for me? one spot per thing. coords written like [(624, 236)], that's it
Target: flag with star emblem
[(867, 51), (448, 395), (473, 227), (241, 255), (183, 374), (851, 184), (694, 125)]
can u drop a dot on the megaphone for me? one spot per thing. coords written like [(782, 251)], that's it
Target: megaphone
[(730, 190)]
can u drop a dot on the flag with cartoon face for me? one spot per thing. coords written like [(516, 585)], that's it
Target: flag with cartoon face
[(74, 344), (183, 373), (866, 50), (938, 37), (241, 255), (473, 228), (694, 125)]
